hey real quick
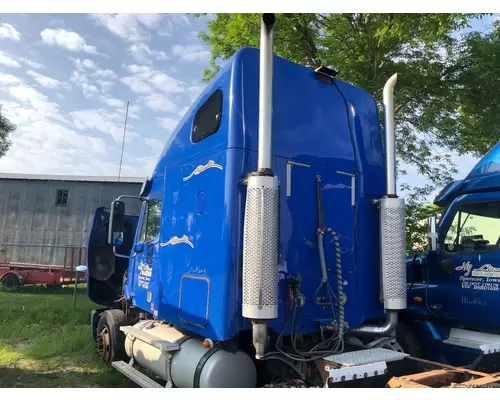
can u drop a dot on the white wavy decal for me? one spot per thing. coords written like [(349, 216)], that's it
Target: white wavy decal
[(202, 168), (176, 240)]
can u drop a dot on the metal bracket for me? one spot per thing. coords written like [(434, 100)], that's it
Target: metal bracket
[(289, 175), (168, 364), (353, 185)]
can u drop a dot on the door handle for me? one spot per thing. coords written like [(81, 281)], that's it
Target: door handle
[(446, 266)]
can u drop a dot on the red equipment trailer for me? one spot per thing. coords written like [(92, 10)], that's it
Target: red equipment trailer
[(13, 275), (15, 272)]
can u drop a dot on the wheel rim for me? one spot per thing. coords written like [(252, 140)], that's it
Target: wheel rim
[(9, 283), (104, 344)]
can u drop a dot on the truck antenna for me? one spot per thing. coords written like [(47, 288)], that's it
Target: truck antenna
[(123, 145)]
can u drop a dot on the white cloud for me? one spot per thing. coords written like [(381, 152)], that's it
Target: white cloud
[(142, 53), (85, 63), (15, 62), (89, 90), (68, 40), (105, 85), (128, 26), (155, 144), (112, 102), (168, 123), (120, 106), (191, 53), (194, 91), (157, 88), (88, 74), (7, 79), (101, 120), (143, 77), (35, 105), (136, 84), (7, 31), (30, 63), (7, 60), (159, 102), (166, 83), (104, 73), (45, 81), (49, 147), (26, 94)]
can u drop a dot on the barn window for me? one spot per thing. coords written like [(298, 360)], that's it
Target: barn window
[(208, 117), (62, 197)]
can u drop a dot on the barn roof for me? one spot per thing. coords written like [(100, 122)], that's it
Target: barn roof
[(70, 178)]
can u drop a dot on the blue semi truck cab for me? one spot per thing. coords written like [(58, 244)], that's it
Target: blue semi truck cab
[(270, 244), (454, 287)]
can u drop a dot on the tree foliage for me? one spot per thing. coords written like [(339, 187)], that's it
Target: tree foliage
[(477, 71), (6, 128), (447, 85)]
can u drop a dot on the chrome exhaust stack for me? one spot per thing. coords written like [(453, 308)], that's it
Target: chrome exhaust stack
[(261, 225), (392, 230)]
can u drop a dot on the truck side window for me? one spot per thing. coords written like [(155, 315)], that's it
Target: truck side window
[(151, 222), (475, 228), (208, 117)]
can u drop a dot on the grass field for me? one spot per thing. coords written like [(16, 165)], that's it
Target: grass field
[(44, 343)]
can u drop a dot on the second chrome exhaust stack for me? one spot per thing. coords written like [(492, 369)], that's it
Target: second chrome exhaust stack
[(392, 230)]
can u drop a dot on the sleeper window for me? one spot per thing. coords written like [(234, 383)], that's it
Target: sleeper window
[(208, 117)]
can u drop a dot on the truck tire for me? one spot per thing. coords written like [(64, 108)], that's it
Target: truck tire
[(409, 341), (110, 339), (411, 345), (10, 283)]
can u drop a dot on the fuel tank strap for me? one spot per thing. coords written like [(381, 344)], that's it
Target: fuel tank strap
[(201, 364), (170, 356)]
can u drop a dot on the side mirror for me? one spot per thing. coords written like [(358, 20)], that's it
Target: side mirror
[(116, 223), (432, 236)]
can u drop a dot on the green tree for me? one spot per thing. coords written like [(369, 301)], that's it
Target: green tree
[(6, 128), (476, 70), (436, 101), (366, 49), (417, 213)]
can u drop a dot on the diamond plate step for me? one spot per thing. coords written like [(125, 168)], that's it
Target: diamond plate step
[(163, 345), (360, 364), (365, 356), (487, 343), (135, 375)]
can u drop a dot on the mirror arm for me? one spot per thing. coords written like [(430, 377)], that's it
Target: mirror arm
[(129, 196), (123, 256)]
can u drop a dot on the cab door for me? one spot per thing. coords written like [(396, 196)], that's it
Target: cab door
[(146, 274), (464, 280)]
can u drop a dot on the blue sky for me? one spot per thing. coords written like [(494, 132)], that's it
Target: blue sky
[(65, 80)]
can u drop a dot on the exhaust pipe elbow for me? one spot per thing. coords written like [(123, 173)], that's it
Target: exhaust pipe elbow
[(382, 330), (389, 89)]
